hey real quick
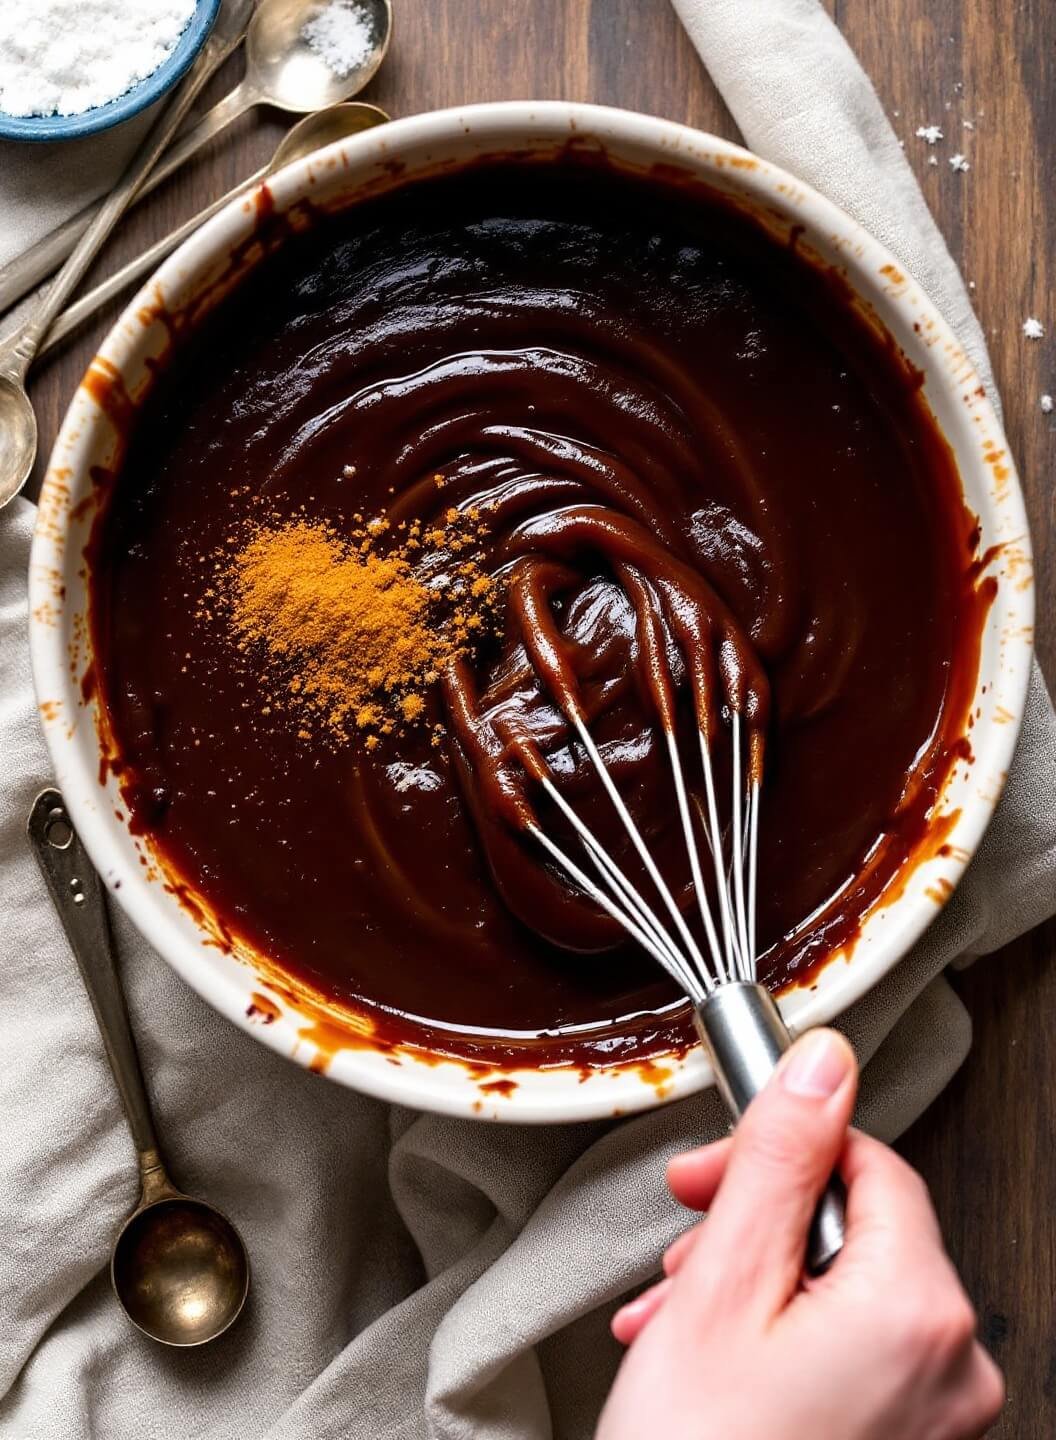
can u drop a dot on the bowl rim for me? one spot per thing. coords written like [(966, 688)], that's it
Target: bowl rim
[(550, 1095), (41, 128)]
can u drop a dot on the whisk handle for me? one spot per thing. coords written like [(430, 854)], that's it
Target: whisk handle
[(745, 1036)]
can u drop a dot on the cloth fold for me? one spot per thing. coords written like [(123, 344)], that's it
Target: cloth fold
[(416, 1275)]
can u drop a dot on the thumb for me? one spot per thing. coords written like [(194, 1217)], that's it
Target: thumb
[(784, 1149)]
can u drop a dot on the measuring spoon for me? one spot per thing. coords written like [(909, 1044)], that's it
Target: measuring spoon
[(178, 1265)]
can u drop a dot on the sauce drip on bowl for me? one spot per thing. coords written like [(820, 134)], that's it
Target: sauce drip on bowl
[(661, 412)]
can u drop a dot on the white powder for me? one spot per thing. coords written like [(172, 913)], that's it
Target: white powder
[(341, 35), (1033, 329), (930, 133), (59, 57), (1046, 404)]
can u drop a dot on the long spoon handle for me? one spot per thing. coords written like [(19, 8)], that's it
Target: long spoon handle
[(235, 103), (93, 301), (27, 270), (78, 895)]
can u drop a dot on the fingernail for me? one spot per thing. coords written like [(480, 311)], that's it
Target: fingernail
[(817, 1066), (647, 1300), (630, 1318), (633, 1308)]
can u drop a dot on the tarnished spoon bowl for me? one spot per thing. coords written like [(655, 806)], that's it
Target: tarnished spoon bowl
[(18, 436), (180, 1271), (283, 69), (337, 122)]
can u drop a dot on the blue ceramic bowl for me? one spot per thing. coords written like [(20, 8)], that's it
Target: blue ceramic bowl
[(101, 117)]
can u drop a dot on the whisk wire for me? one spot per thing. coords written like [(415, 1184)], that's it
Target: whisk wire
[(732, 954), (640, 846), (714, 834), (625, 892), (753, 864), (694, 859), (738, 845), (669, 960)]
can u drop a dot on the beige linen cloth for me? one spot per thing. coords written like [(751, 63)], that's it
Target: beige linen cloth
[(415, 1276)]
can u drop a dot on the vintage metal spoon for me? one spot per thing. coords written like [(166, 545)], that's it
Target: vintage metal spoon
[(281, 70), (178, 1266), (308, 135), (18, 424)]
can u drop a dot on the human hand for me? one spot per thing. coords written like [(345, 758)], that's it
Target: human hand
[(734, 1343)]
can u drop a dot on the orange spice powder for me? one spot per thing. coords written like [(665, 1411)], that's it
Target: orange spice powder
[(348, 635)]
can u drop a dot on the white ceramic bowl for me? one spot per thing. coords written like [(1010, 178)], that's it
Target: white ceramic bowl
[(238, 983)]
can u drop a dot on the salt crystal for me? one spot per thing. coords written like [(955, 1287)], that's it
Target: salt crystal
[(930, 133), (958, 162), (968, 124), (932, 160), (341, 35), (1033, 329), (62, 57), (1046, 403)]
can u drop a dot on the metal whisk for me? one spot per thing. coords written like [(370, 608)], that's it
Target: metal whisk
[(736, 1018)]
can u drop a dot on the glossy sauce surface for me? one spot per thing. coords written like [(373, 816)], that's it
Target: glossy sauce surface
[(646, 397)]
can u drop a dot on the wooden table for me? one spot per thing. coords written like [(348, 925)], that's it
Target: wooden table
[(987, 1148)]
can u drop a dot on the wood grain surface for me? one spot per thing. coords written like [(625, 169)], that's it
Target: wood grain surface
[(988, 1148)]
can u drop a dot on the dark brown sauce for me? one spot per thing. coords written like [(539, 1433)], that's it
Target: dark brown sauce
[(557, 342)]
